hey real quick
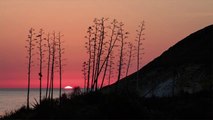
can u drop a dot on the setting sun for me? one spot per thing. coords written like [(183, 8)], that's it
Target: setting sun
[(68, 87)]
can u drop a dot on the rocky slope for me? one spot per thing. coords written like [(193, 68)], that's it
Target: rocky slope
[(184, 67)]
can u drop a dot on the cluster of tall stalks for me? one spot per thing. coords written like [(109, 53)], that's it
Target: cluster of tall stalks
[(110, 52), (48, 50)]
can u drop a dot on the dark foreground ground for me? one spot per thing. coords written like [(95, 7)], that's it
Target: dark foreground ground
[(120, 106)]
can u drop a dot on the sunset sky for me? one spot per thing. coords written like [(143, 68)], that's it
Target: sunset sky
[(166, 22)]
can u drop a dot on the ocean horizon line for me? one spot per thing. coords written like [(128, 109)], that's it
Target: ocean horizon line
[(43, 89)]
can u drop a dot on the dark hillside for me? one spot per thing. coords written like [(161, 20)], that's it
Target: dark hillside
[(196, 48), (118, 106), (187, 65)]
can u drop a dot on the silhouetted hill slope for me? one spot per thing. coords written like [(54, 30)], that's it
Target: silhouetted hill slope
[(184, 67), (195, 48)]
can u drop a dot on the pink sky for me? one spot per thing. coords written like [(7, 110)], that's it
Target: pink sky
[(167, 22)]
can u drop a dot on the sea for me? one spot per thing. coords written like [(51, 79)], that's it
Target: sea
[(13, 99)]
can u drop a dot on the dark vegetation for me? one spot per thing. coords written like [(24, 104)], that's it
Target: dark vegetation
[(125, 106), (108, 52), (106, 46), (49, 48)]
